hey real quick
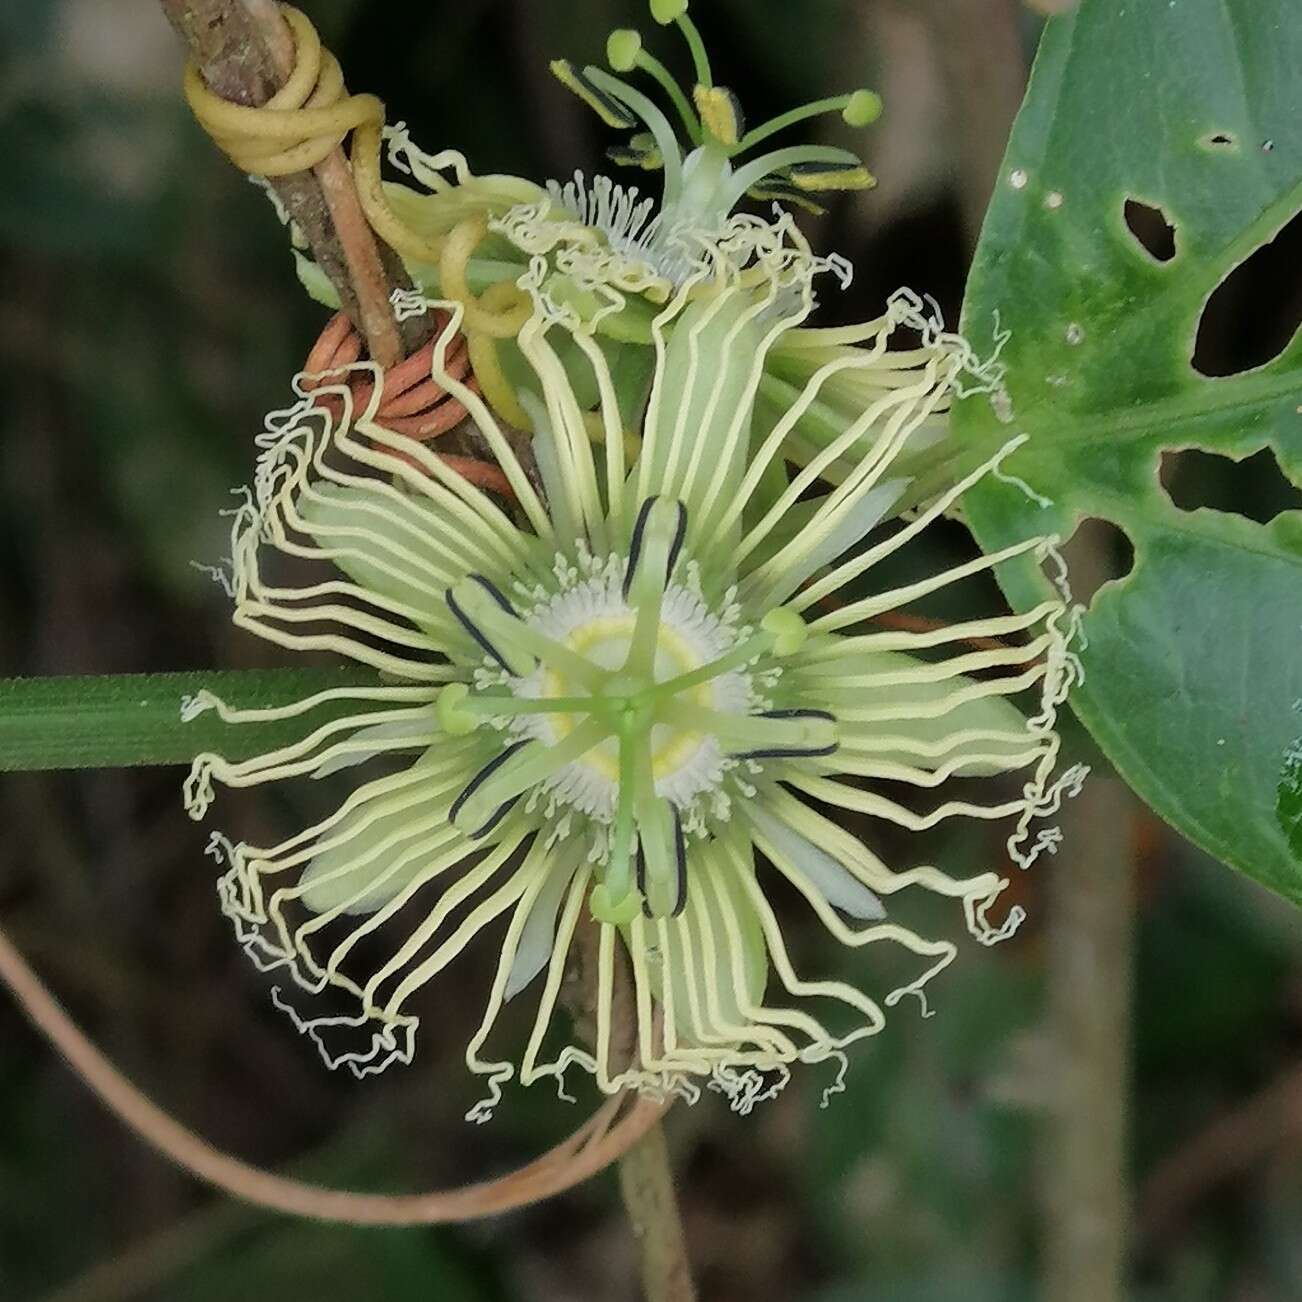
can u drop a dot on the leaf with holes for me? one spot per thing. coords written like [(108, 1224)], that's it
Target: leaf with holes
[(1190, 112)]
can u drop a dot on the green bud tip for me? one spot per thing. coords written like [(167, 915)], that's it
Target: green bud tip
[(668, 11), (617, 913), (863, 109), (622, 48), (449, 709), (787, 629)]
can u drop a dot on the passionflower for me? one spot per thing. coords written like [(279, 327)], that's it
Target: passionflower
[(658, 682)]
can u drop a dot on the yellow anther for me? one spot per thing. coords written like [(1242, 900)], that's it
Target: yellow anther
[(720, 113)]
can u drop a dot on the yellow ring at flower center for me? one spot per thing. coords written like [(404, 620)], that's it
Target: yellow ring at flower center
[(605, 642)]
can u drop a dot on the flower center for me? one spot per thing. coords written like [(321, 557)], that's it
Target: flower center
[(598, 625), (627, 700)]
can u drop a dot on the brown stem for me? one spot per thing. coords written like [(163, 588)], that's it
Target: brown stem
[(606, 1135), (245, 51)]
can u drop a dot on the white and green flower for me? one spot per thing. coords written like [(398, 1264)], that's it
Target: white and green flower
[(635, 698)]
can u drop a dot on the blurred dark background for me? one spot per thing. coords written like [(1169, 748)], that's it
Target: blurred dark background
[(150, 315)]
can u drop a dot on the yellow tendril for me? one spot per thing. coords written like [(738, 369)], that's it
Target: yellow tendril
[(480, 316), (308, 117), (493, 384)]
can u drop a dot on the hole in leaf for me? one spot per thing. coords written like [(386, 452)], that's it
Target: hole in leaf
[(1151, 228), (1254, 312), (1220, 140), (1255, 487), (1098, 552)]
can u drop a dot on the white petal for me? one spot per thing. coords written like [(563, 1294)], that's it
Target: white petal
[(360, 876), (397, 547), (833, 881), (421, 733), (539, 933), (859, 521)]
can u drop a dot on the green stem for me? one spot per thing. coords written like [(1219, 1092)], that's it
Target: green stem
[(650, 64), (647, 1185), (116, 720)]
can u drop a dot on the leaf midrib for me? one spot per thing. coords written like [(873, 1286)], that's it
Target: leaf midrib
[(1246, 391)]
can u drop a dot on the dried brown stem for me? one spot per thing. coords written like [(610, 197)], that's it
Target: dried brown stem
[(606, 1135), (245, 52)]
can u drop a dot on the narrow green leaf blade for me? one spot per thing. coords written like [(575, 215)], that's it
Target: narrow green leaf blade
[(120, 720)]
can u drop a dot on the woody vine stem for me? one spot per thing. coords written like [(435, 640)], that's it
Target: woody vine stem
[(245, 52)]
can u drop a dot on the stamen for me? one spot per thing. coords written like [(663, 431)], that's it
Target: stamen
[(498, 784), (660, 528), (466, 602), (495, 704), (661, 862), (608, 109), (680, 859), (782, 633), (615, 886), (779, 161), (721, 114), (494, 625), (740, 655), (459, 804), (831, 176), (767, 734), (680, 867), (638, 151), (812, 742)]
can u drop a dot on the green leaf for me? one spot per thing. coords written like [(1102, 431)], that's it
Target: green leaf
[(1289, 802), (1193, 669), (127, 719)]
